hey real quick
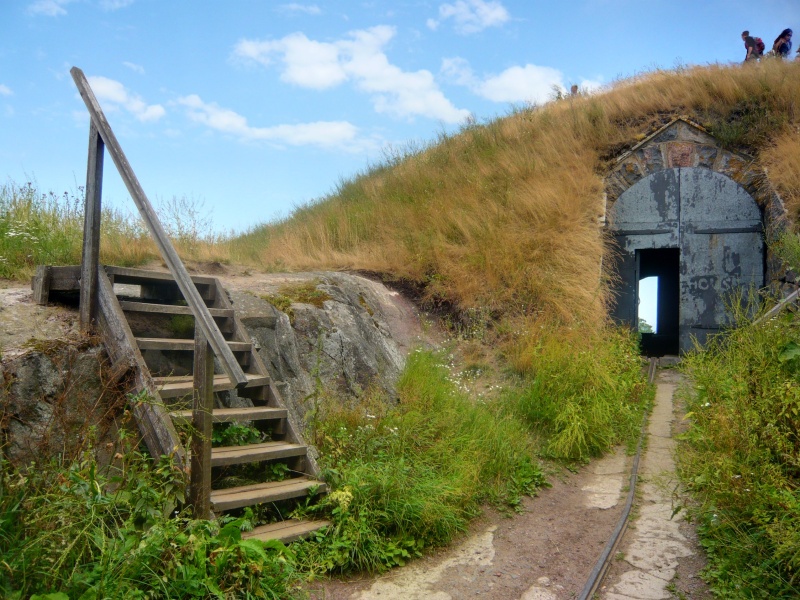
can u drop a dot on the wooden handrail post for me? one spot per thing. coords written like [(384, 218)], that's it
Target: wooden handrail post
[(90, 257), (200, 490)]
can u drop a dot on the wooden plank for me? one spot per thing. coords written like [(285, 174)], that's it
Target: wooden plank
[(231, 415), (200, 489), (237, 455), (65, 279), (154, 422), (176, 387), (41, 284), (285, 531), (183, 344), (90, 256), (140, 276), (272, 491), (171, 309), (168, 253)]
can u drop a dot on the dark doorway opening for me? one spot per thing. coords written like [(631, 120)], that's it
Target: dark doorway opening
[(663, 264)]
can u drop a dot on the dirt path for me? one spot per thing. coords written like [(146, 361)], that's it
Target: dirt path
[(548, 551)]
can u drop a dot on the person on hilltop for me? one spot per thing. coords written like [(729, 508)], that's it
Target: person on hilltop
[(754, 47), (783, 44)]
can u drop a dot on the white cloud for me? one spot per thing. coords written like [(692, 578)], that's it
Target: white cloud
[(591, 85), (325, 134), (115, 93), (294, 7), (5, 90), (529, 83), (134, 67), (471, 16), (109, 5), (48, 8), (306, 63), (359, 59)]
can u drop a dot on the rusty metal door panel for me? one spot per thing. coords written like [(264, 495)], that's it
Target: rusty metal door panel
[(644, 217), (722, 250), (650, 204)]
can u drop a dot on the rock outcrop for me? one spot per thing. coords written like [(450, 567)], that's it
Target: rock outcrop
[(353, 337)]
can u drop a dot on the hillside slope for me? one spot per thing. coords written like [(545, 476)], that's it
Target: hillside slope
[(503, 217)]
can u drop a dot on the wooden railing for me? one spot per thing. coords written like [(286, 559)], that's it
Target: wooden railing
[(209, 341)]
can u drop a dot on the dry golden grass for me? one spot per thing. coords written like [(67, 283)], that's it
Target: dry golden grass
[(505, 215)]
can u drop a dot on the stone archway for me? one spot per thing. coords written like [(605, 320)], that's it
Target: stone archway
[(679, 191)]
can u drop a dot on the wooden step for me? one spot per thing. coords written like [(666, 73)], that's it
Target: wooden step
[(237, 455), (247, 413), (177, 387), (171, 309), (140, 276), (184, 344), (285, 531), (272, 491)]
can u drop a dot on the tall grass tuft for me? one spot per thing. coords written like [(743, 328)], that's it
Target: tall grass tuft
[(583, 388), (411, 477), (38, 228)]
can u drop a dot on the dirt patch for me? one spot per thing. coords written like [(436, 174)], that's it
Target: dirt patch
[(545, 552)]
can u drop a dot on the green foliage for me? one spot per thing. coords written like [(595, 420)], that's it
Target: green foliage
[(583, 395), (412, 476), (181, 326), (741, 458), (236, 434), (70, 531)]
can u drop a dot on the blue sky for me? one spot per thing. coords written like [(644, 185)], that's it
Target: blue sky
[(253, 107)]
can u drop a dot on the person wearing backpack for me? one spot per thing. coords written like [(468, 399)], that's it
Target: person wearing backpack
[(783, 44), (753, 45)]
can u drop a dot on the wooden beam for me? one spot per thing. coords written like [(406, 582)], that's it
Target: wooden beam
[(203, 405), (90, 257), (153, 419), (168, 253), (41, 284)]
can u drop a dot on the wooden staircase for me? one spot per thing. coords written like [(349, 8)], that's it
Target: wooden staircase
[(180, 339), (149, 333)]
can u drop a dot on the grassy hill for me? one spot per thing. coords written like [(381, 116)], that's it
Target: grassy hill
[(504, 215)]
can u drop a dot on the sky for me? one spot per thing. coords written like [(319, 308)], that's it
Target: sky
[(252, 108)]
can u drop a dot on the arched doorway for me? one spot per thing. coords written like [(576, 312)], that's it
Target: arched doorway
[(701, 234)]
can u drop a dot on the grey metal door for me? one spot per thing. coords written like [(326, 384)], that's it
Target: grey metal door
[(722, 250), (716, 225)]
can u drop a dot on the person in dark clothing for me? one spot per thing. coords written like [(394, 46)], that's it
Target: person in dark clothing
[(750, 46), (783, 44)]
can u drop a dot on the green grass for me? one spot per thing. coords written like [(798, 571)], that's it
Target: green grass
[(583, 391), (741, 458), (412, 476), (73, 531)]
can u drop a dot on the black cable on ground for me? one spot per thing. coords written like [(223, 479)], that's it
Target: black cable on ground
[(600, 568)]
